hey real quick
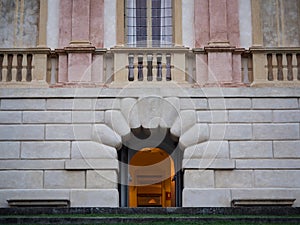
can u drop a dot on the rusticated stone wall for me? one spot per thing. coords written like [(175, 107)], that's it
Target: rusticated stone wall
[(237, 143)]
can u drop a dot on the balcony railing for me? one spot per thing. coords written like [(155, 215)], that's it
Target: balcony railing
[(23, 67), (276, 66), (149, 65)]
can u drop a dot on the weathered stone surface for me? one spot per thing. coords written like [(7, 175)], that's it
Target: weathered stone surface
[(64, 179), (129, 110), (213, 116), (10, 117), (117, 123), (286, 149), (21, 132), (208, 164), (94, 198), (207, 150), (68, 132), (105, 135), (200, 197), (199, 179), (32, 194), (21, 179), (87, 116), (31, 164), (234, 179), (229, 103), (46, 117), (149, 109), (169, 112), (92, 164), (45, 150), (253, 116), (102, 179), (9, 150), (277, 178), (250, 149), (268, 163), (23, 104), (185, 120), (230, 131), (276, 131), (286, 116), (70, 104), (91, 149), (192, 103), (275, 103), (106, 103), (196, 134)]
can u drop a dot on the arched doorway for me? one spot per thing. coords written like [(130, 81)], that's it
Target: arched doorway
[(151, 179)]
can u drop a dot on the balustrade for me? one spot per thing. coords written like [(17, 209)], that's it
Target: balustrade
[(23, 67)]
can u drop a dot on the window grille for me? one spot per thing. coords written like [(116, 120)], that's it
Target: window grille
[(149, 23)]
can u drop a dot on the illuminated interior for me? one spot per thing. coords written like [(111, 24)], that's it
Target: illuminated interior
[(151, 179)]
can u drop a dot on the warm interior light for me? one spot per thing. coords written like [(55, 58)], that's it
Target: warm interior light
[(152, 201)]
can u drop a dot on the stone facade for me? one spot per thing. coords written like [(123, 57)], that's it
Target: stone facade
[(226, 109)]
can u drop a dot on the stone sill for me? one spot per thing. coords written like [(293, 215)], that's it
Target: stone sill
[(104, 92), (262, 202)]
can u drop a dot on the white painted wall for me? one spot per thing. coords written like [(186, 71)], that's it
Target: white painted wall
[(245, 23), (53, 24), (188, 32), (110, 26)]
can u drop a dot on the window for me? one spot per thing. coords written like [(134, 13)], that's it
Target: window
[(149, 23)]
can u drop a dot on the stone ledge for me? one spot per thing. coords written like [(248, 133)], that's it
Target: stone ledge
[(38, 202), (263, 202), (137, 92)]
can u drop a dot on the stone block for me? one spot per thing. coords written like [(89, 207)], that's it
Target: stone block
[(23, 104), (45, 150), (261, 193), (277, 178), (286, 149), (116, 121), (64, 179), (200, 197), (94, 198), (90, 116), (68, 132), (199, 179), (130, 112), (21, 132), (250, 116), (9, 117), (105, 135), (208, 164), (234, 179), (21, 179), (276, 131), (32, 194), (70, 104), (275, 103), (286, 116), (169, 112), (196, 134), (9, 150), (229, 103), (149, 111), (90, 149), (107, 103), (92, 164), (193, 103), (213, 116), (250, 149), (31, 164), (230, 131), (46, 117), (268, 164), (183, 122), (208, 150), (102, 179)]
